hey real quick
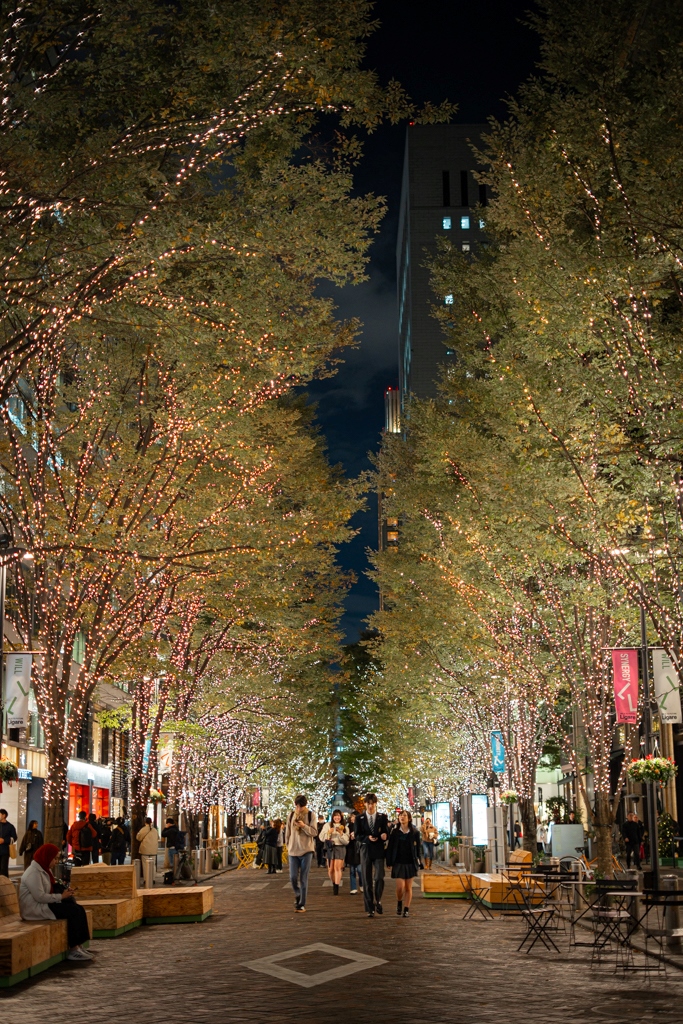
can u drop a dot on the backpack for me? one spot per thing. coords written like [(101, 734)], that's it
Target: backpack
[(85, 837)]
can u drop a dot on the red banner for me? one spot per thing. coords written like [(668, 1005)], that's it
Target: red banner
[(625, 663)]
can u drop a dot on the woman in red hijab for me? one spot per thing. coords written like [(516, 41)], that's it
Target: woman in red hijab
[(40, 900)]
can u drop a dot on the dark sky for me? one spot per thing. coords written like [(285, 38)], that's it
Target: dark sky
[(474, 54)]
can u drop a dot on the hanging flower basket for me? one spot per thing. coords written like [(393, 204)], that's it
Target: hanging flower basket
[(509, 797), (156, 796), (8, 771), (652, 769)]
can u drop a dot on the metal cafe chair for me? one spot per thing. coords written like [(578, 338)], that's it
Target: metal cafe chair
[(476, 898), (538, 918), (664, 903)]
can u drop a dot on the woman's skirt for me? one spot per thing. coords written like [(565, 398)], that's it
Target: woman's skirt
[(76, 921), (428, 850), (403, 871), (336, 853), (270, 855)]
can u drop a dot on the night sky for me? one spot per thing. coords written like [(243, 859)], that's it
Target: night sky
[(474, 54)]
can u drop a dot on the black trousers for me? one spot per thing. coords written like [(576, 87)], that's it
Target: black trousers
[(632, 850), (76, 921), (4, 863), (372, 872), (81, 858)]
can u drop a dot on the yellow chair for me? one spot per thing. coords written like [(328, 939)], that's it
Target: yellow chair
[(247, 855)]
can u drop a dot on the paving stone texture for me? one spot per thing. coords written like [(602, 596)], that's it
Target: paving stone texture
[(433, 968)]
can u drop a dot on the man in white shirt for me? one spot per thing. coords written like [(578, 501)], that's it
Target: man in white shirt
[(300, 836), (372, 831)]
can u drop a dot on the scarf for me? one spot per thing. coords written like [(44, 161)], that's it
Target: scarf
[(44, 856)]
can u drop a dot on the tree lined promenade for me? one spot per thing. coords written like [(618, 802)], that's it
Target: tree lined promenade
[(463, 967)]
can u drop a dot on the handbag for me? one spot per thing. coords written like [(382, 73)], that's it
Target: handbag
[(13, 851)]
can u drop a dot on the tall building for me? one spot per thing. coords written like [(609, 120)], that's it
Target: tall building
[(439, 197)]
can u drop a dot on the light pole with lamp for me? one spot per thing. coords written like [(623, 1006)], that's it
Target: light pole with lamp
[(8, 553)]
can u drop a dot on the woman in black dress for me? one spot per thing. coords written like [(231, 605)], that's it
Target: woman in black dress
[(403, 857)]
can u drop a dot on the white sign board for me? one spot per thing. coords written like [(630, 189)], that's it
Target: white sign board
[(17, 687), (667, 689), (480, 828)]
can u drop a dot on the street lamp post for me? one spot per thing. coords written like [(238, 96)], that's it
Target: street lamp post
[(652, 828), (8, 553)]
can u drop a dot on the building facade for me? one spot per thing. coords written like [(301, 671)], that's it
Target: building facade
[(440, 197)]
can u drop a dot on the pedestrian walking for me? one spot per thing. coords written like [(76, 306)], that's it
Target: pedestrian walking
[(632, 830), (404, 859), (31, 840), (541, 837), (280, 846), (353, 857), (319, 847), (175, 842), (300, 838), (80, 838), (120, 841), (270, 847), (430, 836), (8, 835), (105, 840), (148, 838), (97, 839), (335, 838), (40, 899), (372, 830), (518, 835)]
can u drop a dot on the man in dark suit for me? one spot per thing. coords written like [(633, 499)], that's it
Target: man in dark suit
[(372, 831)]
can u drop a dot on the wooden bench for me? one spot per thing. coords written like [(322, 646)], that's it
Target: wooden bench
[(118, 905), (177, 906), (27, 947), (110, 893), (443, 885)]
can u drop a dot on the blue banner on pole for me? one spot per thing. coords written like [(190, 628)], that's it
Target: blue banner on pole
[(497, 752)]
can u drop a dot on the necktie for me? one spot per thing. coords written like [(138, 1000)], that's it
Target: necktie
[(371, 822)]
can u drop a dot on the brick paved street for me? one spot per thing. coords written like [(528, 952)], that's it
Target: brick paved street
[(438, 968)]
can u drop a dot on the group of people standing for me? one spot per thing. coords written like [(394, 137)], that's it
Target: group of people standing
[(367, 843)]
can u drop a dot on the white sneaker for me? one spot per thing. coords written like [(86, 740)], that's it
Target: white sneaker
[(352, 892), (78, 954)]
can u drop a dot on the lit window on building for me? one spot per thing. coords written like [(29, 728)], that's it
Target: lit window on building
[(465, 223), (446, 223), (392, 536), (482, 224), (465, 246), (448, 299)]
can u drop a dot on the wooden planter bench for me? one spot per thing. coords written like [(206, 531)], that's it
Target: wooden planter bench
[(110, 893), (27, 947), (118, 905), (443, 886), (177, 906)]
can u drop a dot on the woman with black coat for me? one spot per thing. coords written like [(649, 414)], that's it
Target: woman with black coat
[(33, 838), (403, 857), (270, 846), (353, 857)]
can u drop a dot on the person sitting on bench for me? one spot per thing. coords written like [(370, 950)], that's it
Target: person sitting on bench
[(41, 898)]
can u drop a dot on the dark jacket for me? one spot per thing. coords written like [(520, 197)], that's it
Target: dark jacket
[(353, 849), (105, 837), (415, 846), (271, 836), (9, 834), (170, 834), (120, 838), (363, 833), (633, 831), (33, 838)]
